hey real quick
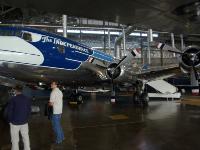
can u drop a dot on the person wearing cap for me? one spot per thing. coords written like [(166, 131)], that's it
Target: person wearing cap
[(56, 101), (18, 113)]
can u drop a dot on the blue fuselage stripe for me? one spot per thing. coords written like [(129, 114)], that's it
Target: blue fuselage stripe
[(102, 56)]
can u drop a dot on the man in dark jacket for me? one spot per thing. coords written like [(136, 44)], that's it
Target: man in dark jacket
[(18, 112)]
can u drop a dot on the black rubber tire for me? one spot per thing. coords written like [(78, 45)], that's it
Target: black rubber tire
[(144, 99), (79, 98), (136, 99)]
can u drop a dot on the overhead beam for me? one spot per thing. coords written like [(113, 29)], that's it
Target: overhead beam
[(6, 11)]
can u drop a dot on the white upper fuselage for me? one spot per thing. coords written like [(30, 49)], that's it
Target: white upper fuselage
[(17, 50)]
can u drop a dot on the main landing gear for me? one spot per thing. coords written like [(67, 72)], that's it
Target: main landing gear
[(76, 98), (140, 95), (140, 99)]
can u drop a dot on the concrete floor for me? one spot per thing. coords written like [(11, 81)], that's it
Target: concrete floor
[(98, 125)]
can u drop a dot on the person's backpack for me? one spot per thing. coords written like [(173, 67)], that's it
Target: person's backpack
[(48, 111)]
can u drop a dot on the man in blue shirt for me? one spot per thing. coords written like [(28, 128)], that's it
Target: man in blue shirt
[(18, 113)]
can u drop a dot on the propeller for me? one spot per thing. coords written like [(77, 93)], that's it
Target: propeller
[(190, 57), (114, 70)]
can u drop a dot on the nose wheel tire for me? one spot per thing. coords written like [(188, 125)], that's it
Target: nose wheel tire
[(142, 99)]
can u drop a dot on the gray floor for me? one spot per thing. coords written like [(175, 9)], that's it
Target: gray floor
[(98, 125)]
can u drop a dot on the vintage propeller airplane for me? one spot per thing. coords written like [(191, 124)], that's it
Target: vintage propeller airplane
[(31, 56)]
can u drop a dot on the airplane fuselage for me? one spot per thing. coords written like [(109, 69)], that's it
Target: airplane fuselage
[(33, 55)]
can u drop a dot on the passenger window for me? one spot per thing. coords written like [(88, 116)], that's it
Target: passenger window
[(61, 49), (27, 36)]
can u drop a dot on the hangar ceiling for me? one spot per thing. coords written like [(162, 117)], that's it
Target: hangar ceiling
[(180, 16)]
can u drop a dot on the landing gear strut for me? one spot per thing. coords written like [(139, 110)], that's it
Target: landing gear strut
[(140, 96), (140, 99), (76, 98), (113, 96)]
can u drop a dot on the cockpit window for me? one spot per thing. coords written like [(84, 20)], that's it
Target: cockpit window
[(6, 32), (10, 33), (27, 36), (61, 49)]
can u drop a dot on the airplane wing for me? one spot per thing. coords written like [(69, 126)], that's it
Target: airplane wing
[(9, 82), (159, 72), (87, 75)]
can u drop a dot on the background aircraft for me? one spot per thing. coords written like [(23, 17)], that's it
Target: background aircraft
[(189, 61)]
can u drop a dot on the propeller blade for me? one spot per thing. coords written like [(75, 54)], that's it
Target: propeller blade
[(177, 52), (127, 58), (113, 98), (168, 48), (197, 53), (121, 61)]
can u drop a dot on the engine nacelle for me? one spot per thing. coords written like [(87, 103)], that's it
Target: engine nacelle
[(112, 71), (190, 58)]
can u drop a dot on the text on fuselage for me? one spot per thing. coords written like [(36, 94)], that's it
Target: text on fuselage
[(48, 39)]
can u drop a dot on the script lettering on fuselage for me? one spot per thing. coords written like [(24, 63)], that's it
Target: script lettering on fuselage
[(48, 39)]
